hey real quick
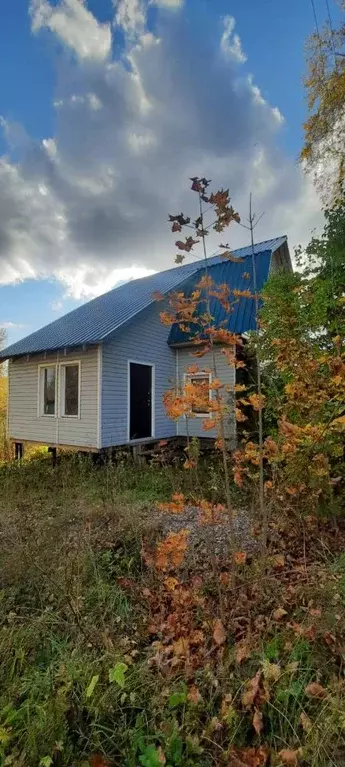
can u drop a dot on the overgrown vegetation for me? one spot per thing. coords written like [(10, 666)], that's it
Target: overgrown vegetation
[(105, 660)]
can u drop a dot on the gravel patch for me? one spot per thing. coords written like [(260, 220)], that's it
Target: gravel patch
[(209, 538)]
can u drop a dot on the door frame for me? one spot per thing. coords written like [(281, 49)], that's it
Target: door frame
[(153, 398)]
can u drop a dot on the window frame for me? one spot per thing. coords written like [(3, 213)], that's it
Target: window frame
[(40, 403), (62, 387), (188, 377)]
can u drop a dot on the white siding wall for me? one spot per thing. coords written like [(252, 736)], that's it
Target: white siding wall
[(226, 373), (24, 421)]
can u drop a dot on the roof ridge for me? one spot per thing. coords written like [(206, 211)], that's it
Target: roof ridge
[(95, 320)]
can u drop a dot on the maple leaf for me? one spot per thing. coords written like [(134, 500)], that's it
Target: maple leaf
[(258, 721), (279, 613), (235, 259), (240, 557), (97, 760), (161, 755), (242, 652), (251, 691), (176, 227), (289, 757), (157, 296), (189, 463), (315, 690), (196, 185), (194, 695), (248, 757), (171, 583), (219, 634), (306, 723), (179, 258)]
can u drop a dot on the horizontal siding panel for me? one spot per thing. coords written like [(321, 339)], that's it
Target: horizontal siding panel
[(24, 422)]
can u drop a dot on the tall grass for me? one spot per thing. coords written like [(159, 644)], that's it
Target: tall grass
[(77, 600)]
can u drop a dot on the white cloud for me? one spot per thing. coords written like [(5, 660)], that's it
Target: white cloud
[(89, 204), (171, 4), (230, 43), (75, 26), (11, 325), (131, 16), (88, 281), (57, 306)]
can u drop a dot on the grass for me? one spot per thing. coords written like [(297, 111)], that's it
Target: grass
[(92, 668)]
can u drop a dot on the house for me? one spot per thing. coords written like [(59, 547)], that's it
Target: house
[(95, 378)]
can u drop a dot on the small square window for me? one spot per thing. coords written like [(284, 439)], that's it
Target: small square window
[(70, 390), (202, 382)]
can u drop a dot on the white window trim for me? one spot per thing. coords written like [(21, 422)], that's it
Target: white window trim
[(200, 374), (62, 379), (153, 398), (40, 391)]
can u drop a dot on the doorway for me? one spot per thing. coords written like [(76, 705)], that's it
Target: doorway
[(140, 400)]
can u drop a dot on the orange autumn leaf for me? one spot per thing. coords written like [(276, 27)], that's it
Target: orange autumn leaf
[(189, 463), (251, 690), (258, 721), (171, 583), (209, 423), (239, 415), (171, 550), (240, 557), (194, 695), (157, 296), (257, 402), (306, 723), (219, 634), (175, 506), (97, 760), (248, 757), (315, 690), (167, 319), (242, 652), (279, 613), (289, 757)]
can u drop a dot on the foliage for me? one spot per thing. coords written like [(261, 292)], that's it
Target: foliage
[(104, 661), (324, 144), (301, 340)]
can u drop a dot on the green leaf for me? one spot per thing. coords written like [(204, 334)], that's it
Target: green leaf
[(117, 674), (92, 686), (46, 761), (4, 736), (150, 757), (177, 699)]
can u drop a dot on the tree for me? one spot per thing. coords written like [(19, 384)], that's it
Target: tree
[(2, 343), (302, 346), (324, 130)]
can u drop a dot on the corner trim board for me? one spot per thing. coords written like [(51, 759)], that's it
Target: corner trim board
[(99, 393)]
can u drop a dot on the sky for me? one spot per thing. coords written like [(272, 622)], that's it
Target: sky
[(108, 107)]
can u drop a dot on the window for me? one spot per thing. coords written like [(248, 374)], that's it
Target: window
[(47, 389), (70, 389), (202, 382)]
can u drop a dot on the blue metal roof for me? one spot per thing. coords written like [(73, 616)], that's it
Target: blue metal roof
[(242, 316), (98, 319)]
